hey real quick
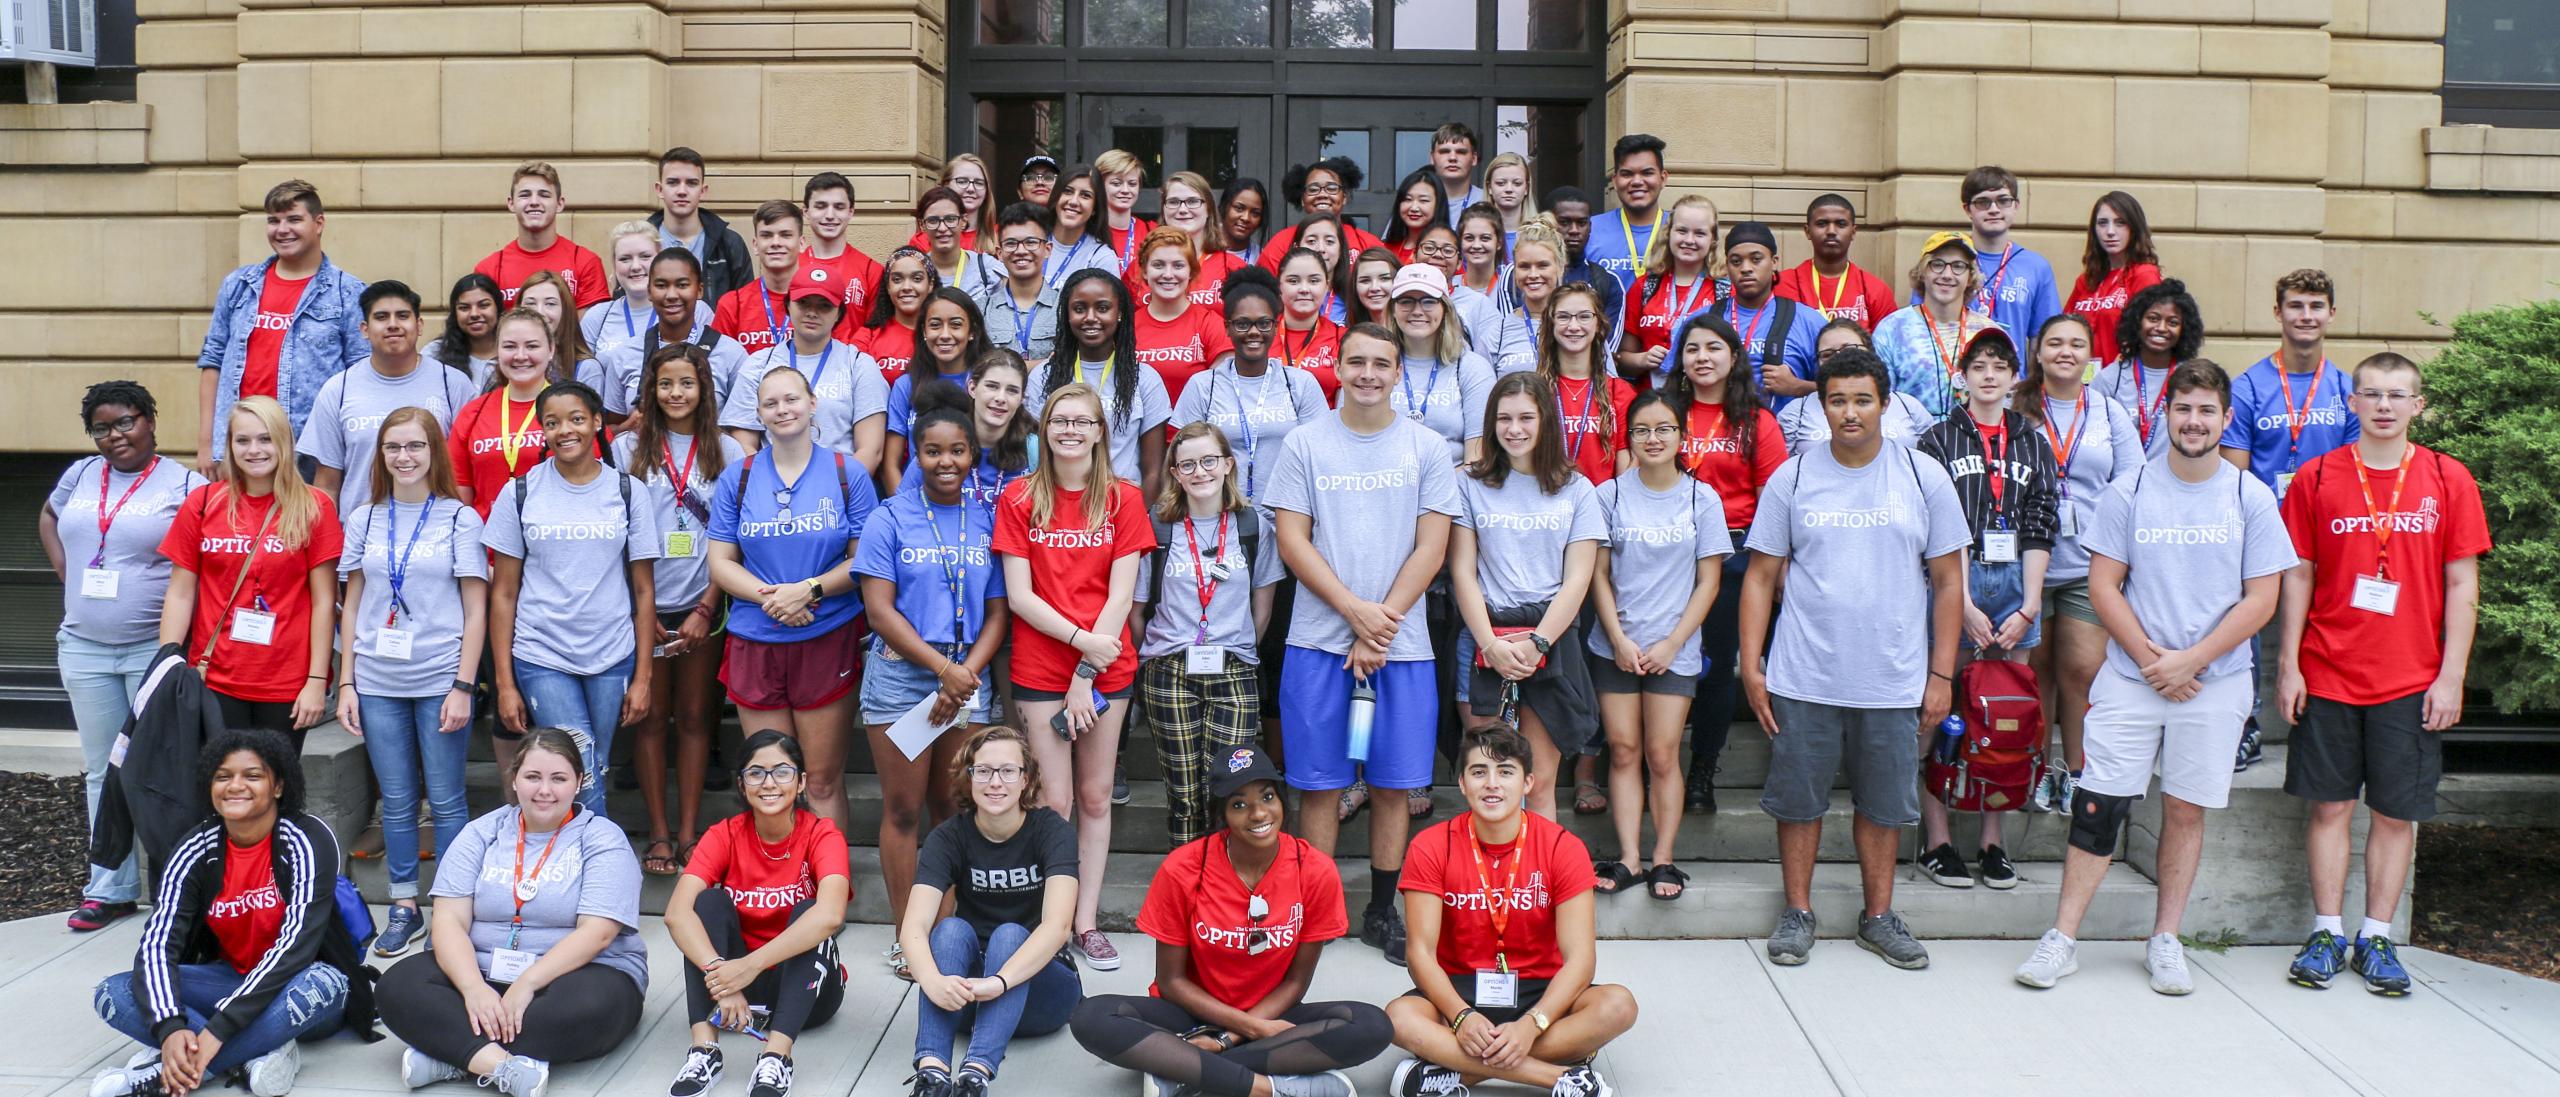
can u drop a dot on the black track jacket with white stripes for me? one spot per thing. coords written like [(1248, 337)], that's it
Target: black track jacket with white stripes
[(306, 875)]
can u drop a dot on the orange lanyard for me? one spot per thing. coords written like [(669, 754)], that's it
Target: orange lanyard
[(1497, 906), (2298, 418), (2065, 445), (1955, 373), (2381, 525), (507, 434), (524, 887)]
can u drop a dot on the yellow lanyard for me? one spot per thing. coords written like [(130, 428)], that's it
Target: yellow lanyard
[(1627, 229)]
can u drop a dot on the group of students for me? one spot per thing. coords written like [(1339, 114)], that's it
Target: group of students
[(1543, 493)]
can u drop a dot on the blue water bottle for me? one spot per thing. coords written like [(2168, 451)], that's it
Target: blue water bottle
[(1950, 738), (1364, 711)]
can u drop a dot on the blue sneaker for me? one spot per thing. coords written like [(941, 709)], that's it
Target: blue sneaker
[(2379, 963), (2320, 960), (398, 931)]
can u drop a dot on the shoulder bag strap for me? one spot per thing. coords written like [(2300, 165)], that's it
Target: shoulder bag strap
[(257, 544)]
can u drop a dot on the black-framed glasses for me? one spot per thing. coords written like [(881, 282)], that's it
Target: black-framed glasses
[(1993, 201), (775, 775), (1949, 266), (1667, 432), (1075, 422), (942, 221), (995, 775), (122, 424), (1200, 464), (1252, 327)]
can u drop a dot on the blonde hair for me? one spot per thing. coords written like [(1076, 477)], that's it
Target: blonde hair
[(1657, 254), (1972, 278), (613, 239), (1170, 502), (1528, 195), (982, 222), (1099, 482), (552, 373), (297, 505), (1540, 230), (1114, 162)]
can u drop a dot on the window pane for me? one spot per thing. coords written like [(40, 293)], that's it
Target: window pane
[(1124, 23), (1352, 144), (1541, 24), (1332, 24), (1413, 150), (1549, 135), (1020, 22), (1228, 24), (2502, 42), (1147, 144), (1012, 130), (1214, 153), (1435, 24)]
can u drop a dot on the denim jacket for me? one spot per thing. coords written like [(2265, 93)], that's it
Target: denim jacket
[(326, 336)]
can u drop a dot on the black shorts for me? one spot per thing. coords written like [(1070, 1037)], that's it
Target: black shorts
[(2383, 751), (1530, 991), (1026, 693), (1607, 678)]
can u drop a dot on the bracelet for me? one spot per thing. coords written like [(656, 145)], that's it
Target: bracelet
[(1071, 637), (1460, 1020), (999, 977), (466, 686), (345, 686), (1951, 679), (315, 677)]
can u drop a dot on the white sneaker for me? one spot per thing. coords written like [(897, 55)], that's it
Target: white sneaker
[(127, 1081), (520, 1076), (418, 1069), (2167, 961), (272, 1074), (2055, 957)]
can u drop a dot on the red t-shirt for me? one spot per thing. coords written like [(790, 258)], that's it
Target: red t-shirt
[(1071, 570), (511, 265), (1593, 450), (2104, 305), (1553, 866), (1196, 902), (858, 273), (741, 315), (924, 243), (1714, 455), (212, 539), (246, 917), (1652, 321), (892, 345), (1183, 346), (485, 432), (278, 297), (1354, 241), (2356, 656), (1208, 284), (1315, 350), (764, 885), (1124, 242), (1858, 295)]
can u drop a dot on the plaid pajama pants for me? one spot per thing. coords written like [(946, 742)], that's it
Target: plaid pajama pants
[(1197, 719)]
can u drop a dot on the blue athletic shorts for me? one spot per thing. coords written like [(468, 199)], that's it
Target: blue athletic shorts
[(1315, 727)]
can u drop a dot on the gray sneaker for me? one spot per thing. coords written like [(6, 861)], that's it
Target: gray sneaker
[(521, 1076), (272, 1074), (1331, 1083), (2055, 957), (1886, 936), (419, 1069), (1792, 942), (2167, 961)]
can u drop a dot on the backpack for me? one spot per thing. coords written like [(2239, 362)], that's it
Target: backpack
[(1249, 525), (1996, 765)]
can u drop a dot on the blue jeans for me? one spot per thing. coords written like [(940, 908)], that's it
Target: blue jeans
[(1035, 1008), (401, 739), (589, 705), (102, 679), (315, 1001)]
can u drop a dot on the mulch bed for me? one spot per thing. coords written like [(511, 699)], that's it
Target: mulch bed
[(2485, 894), (44, 830)]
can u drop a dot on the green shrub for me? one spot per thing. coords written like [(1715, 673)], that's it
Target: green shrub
[(2493, 402)]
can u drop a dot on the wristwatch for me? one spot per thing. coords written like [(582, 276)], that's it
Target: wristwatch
[(817, 591), (1544, 646), (1087, 670), (1542, 1020)]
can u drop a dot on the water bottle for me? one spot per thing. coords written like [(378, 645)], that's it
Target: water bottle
[(1364, 711), (1950, 738)]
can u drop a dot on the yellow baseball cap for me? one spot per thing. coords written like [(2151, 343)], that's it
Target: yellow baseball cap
[(1941, 239)]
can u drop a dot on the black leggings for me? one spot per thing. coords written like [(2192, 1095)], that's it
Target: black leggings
[(275, 716), (1711, 715), (802, 991), (1144, 1034), (581, 1015)]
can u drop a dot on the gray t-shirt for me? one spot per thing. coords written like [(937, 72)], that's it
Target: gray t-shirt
[(1522, 533), (2138, 390), (436, 550), (1805, 426), (476, 370), (1656, 539), (1173, 621), (346, 418), (2107, 447), (1364, 493), (1496, 334), (573, 612), (1451, 397), (131, 548), (1853, 628), (680, 580), (609, 324), (590, 870), (618, 376), (2187, 548), (846, 380), (1149, 410), (1257, 413)]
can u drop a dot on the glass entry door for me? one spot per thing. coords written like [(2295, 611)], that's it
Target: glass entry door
[(1386, 137), (1219, 137)]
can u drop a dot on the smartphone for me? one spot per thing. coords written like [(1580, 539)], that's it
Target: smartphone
[(1058, 723)]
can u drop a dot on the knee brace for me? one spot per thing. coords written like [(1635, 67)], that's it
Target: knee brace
[(2096, 819)]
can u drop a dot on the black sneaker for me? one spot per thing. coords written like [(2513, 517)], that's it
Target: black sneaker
[(700, 1072), (969, 1082), (1119, 784), (929, 1082), (1416, 1078), (1702, 796), (1945, 867), (2250, 751), (1997, 873), (1382, 928), (772, 1076), (1580, 1080)]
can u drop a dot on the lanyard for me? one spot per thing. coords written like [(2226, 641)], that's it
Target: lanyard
[(1458, 208), (1200, 576), (1946, 354), (1680, 305), (1289, 356), (683, 476), (1627, 229), (1830, 305), (1021, 327), (779, 333), (2380, 518), (1244, 421), (2145, 407), (823, 355), (1107, 366), (1995, 465), (1751, 331), (527, 887), (628, 330), (2066, 445), (1574, 440), (1999, 274), (106, 516), (2296, 418), (1497, 908), (953, 578), (507, 433), (1065, 264), (400, 560), (1128, 244), (987, 480), (1413, 410)]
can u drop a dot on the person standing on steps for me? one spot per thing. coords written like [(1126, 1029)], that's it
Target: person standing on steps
[(2184, 562), (1870, 541), (280, 326), (1829, 282), (2161, 328)]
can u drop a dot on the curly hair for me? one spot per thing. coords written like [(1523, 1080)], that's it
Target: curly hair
[(1294, 184), (129, 394), (2190, 320), (273, 752)]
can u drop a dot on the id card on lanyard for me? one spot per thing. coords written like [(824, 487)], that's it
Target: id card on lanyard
[(2296, 419), (680, 542), (1203, 657), (2066, 445), (1999, 543), (508, 964), (1498, 988), (2379, 592), (98, 580), (391, 641)]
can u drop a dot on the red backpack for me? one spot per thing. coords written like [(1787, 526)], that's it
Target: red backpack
[(1995, 767)]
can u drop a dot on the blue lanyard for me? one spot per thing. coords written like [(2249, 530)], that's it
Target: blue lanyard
[(628, 331), (953, 578), (823, 355), (400, 560), (1244, 420), (993, 484), (1429, 388), (1021, 327), (776, 332), (1063, 265)]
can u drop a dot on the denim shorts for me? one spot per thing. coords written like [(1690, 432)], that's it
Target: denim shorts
[(891, 685), (1999, 591), (1880, 747)]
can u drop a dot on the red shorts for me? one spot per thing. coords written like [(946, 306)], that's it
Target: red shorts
[(802, 674)]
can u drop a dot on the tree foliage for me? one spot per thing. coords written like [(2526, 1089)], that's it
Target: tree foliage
[(2493, 402)]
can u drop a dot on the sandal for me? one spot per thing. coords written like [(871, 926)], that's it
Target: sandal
[(1353, 799), (1666, 873), (897, 957), (660, 864), (1589, 800), (1611, 877), (1417, 803)]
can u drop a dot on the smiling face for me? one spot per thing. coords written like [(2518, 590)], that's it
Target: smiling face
[(773, 796), (1516, 423), (546, 786), (1075, 204), (631, 255), (404, 452), (944, 334), (910, 279), (778, 246), (1325, 239), (1575, 322), (1073, 423), (1242, 217), (1693, 236), (1413, 207), (1093, 316), (1323, 193), (1249, 326), (1120, 192), (1253, 816), (570, 426), (253, 447), (1024, 249), (294, 232), (1534, 271), (1302, 287), (2197, 419), (544, 298), (524, 351), (969, 181), (2063, 351), (476, 311), (998, 797), (535, 203), (1494, 788), (1418, 315), (1370, 282), (1185, 208), (941, 223), (2305, 317), (1639, 180), (783, 404), (998, 395), (1947, 274), (678, 390), (1653, 433), (391, 328), (946, 454), (829, 211), (1200, 465), (1706, 358), (1368, 370), (2161, 327), (244, 790), (673, 290), (1438, 247), (1167, 274)]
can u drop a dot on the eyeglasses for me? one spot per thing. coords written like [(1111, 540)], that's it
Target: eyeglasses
[(1948, 266), (1424, 303), (1185, 203), (772, 775), (1200, 464), (1668, 432), (967, 183), (1577, 317), (2395, 396), (122, 424), (403, 449), (995, 775), (1019, 243), (1252, 327), (1993, 201), (1324, 188), (1075, 422), (1437, 251), (942, 221)]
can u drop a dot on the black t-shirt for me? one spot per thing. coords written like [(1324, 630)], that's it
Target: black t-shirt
[(997, 882)]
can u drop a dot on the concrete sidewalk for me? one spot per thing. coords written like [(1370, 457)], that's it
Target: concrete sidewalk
[(1717, 1019)]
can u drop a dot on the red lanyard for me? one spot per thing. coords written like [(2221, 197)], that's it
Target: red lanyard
[(2296, 418), (523, 892), (107, 517), (1497, 906), (1575, 440), (1681, 304), (1995, 460), (1750, 335), (1955, 373), (1991, 285), (1200, 571), (2381, 518), (2143, 405), (2065, 445), (684, 476)]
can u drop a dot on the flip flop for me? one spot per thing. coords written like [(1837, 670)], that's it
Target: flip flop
[(1666, 873), (1588, 799), (660, 864)]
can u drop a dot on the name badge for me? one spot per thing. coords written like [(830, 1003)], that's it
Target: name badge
[(2375, 594), (679, 545), (2069, 521), (99, 582), (249, 626), (1218, 571), (391, 643), (1497, 990), (506, 965), (2000, 546), (2284, 480), (1204, 659)]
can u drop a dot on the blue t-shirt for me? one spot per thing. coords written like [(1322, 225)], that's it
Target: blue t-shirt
[(1609, 247), (2019, 297), (920, 548), (797, 543), (985, 484), (902, 401), (2262, 418), (1804, 330)]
